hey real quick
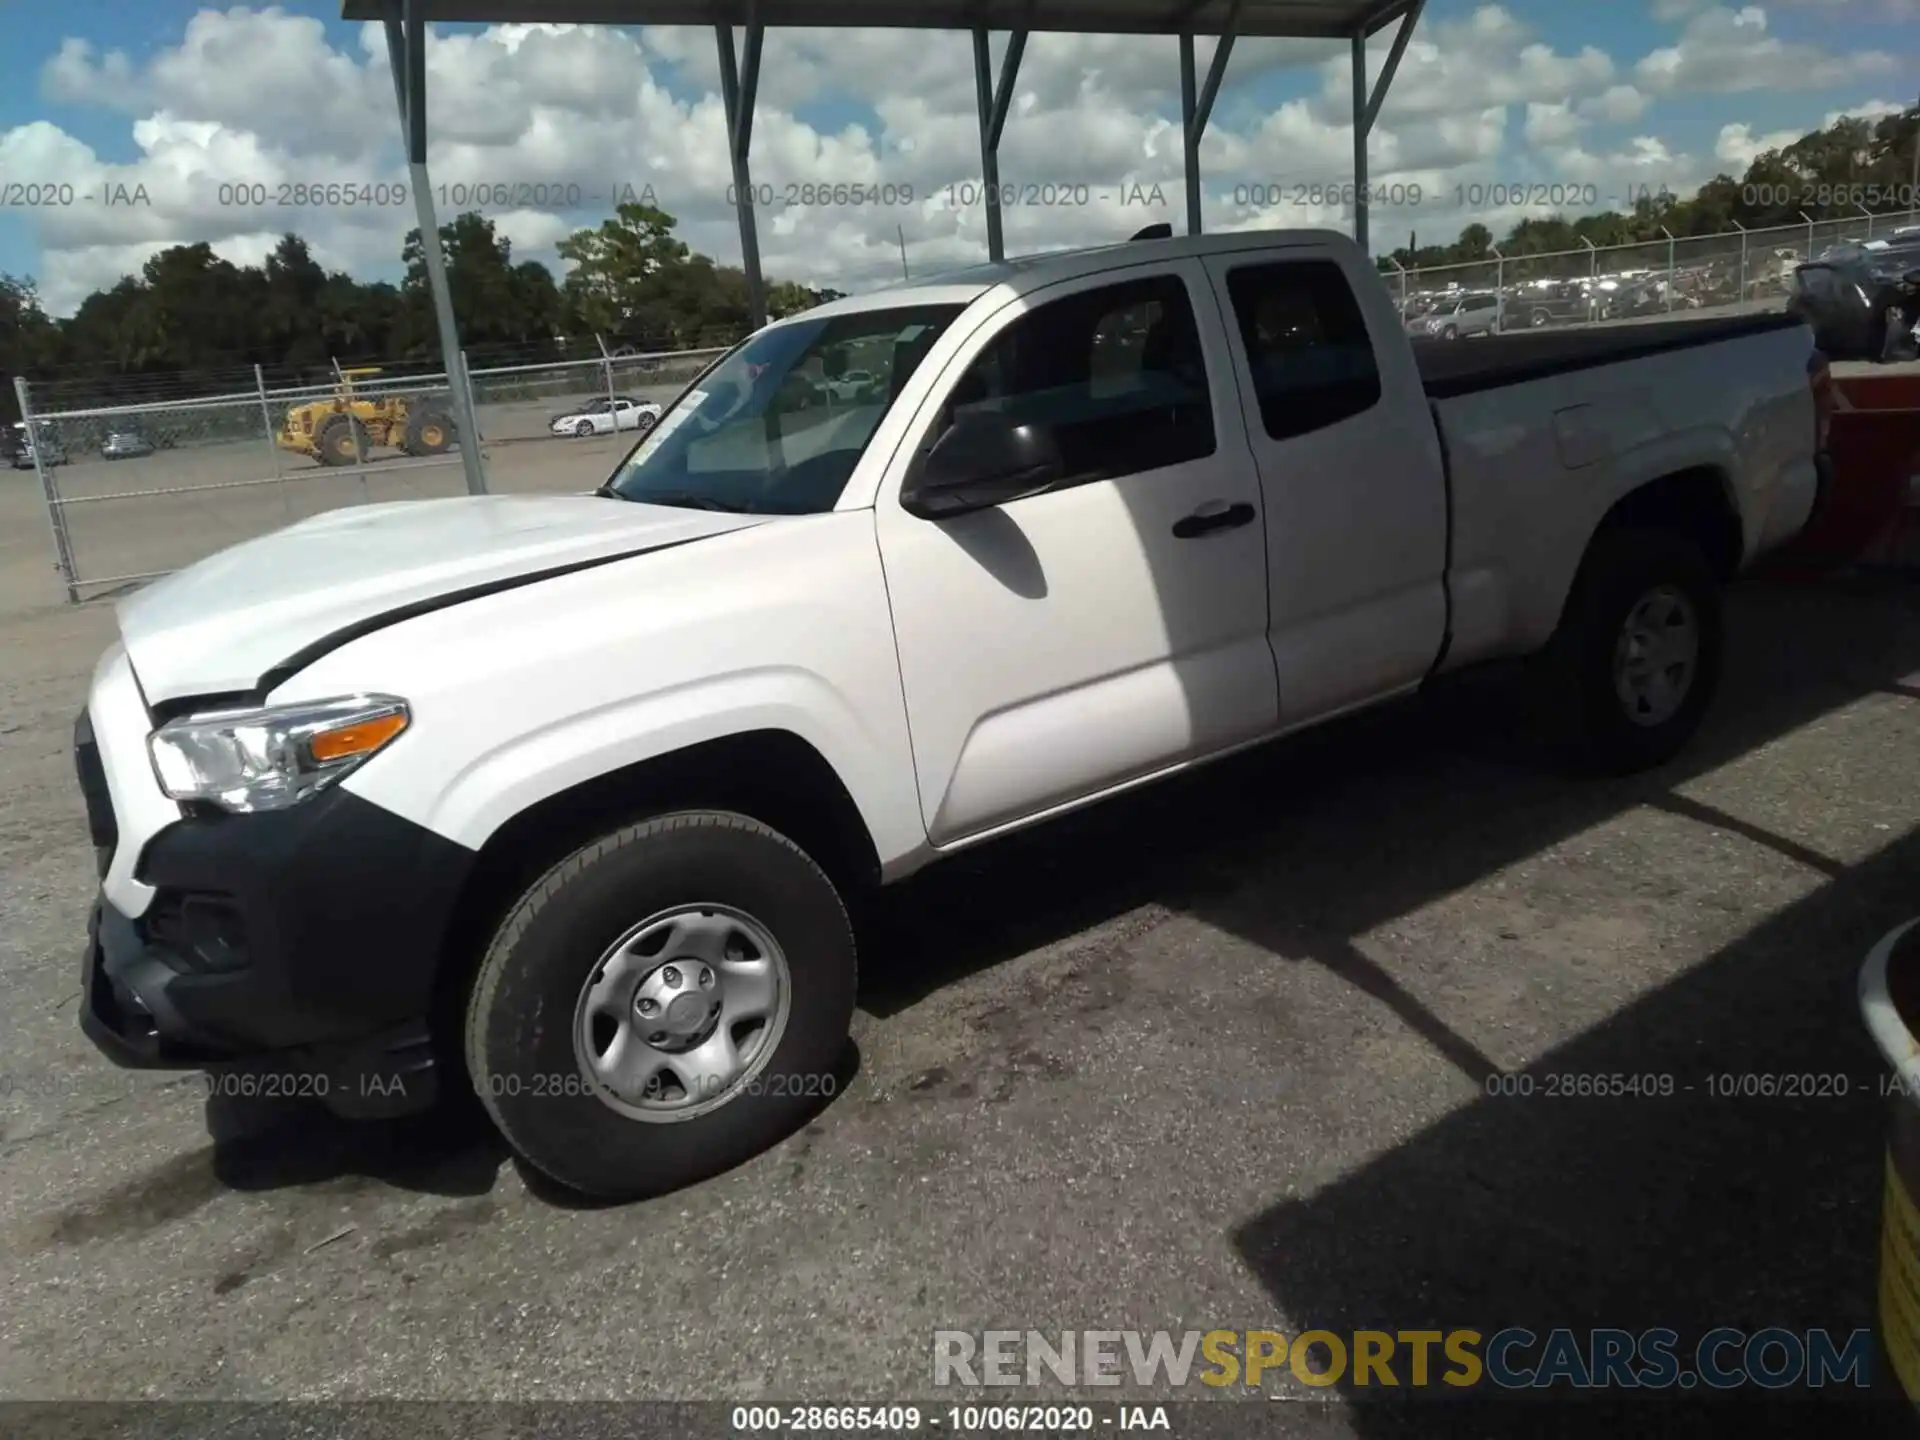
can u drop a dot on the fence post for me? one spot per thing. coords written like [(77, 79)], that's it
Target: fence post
[(1809, 219), (606, 364), (1401, 271), (477, 477), (50, 492), (1869, 214), (266, 414), (1593, 276), (1741, 291), (1499, 290), (1668, 307)]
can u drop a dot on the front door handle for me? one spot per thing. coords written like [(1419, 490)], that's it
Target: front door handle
[(1204, 522)]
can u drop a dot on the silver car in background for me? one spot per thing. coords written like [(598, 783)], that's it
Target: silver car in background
[(126, 445), (1475, 314)]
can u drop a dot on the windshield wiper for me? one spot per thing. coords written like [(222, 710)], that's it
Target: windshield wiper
[(692, 500)]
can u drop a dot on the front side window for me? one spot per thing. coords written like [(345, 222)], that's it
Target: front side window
[(1115, 374), (761, 433), (1307, 346)]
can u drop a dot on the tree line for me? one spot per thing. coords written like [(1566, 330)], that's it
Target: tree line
[(1825, 174), (192, 323)]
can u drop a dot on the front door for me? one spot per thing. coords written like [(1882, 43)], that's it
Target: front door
[(1067, 643)]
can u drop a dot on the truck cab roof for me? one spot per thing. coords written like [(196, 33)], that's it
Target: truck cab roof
[(1022, 274)]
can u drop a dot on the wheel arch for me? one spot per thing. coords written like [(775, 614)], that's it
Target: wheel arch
[(771, 775)]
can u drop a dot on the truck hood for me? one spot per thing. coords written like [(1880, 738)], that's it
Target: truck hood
[(244, 619)]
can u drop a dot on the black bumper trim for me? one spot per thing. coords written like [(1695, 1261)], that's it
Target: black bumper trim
[(345, 909)]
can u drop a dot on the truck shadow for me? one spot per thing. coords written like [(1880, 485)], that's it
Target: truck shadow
[(1350, 826), (1687, 1212)]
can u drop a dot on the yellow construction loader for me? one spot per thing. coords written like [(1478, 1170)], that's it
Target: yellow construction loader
[(346, 428)]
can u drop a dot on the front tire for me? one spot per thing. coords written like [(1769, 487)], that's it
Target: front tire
[(584, 430), (594, 1030), (1637, 659)]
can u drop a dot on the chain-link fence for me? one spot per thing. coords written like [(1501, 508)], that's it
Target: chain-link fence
[(134, 491), (1741, 270)]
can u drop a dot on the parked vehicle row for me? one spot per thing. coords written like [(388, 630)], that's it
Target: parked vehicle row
[(567, 800), (20, 445), (1863, 301)]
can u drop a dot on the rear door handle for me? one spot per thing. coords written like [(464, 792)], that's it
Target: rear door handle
[(1205, 522)]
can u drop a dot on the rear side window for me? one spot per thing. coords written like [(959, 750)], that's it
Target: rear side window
[(1816, 282), (1115, 374), (1307, 345)]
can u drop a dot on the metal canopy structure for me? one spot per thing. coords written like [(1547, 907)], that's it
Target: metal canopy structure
[(1354, 21)]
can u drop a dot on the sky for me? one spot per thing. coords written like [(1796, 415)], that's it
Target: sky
[(130, 125)]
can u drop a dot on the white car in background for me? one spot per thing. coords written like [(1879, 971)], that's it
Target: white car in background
[(605, 416)]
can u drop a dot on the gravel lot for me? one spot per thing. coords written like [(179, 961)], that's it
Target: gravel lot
[(1214, 1056)]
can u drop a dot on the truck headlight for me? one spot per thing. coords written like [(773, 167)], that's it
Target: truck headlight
[(275, 756)]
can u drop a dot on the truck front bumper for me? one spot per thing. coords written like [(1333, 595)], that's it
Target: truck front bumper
[(303, 945)]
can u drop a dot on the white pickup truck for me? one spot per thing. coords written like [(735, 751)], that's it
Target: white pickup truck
[(562, 798)]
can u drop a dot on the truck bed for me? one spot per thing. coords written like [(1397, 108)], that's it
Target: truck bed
[(1460, 367)]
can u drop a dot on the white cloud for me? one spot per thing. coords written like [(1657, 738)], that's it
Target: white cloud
[(1725, 51), (1551, 123), (1738, 146), (253, 103), (1865, 110), (1617, 104)]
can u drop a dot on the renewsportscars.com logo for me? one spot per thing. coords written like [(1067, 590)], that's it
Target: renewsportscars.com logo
[(1511, 1359)]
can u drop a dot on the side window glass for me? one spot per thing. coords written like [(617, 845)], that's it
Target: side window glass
[(1307, 345), (1115, 374)]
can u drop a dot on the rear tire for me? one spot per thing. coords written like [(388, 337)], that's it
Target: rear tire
[(571, 937), (1628, 687), (428, 433)]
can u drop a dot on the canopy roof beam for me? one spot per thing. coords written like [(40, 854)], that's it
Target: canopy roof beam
[(1196, 108), (739, 88), (407, 56), (993, 101), (1366, 107)]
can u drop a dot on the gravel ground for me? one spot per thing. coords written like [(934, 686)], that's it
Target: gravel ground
[(1213, 1056)]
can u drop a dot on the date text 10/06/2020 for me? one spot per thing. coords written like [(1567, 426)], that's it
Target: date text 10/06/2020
[(59, 195), (459, 195), (1719, 1085), (951, 1419)]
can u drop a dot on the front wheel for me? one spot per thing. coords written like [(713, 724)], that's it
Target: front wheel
[(584, 430), (664, 1004), (1636, 660)]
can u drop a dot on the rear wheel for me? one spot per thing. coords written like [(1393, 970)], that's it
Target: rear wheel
[(428, 433), (1636, 660), (664, 1004)]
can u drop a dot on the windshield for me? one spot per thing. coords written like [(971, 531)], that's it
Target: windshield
[(774, 427)]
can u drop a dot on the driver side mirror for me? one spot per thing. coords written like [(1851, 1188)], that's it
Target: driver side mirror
[(983, 460)]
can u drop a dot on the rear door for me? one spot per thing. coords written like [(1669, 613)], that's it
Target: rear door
[(1060, 645), (1351, 475)]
